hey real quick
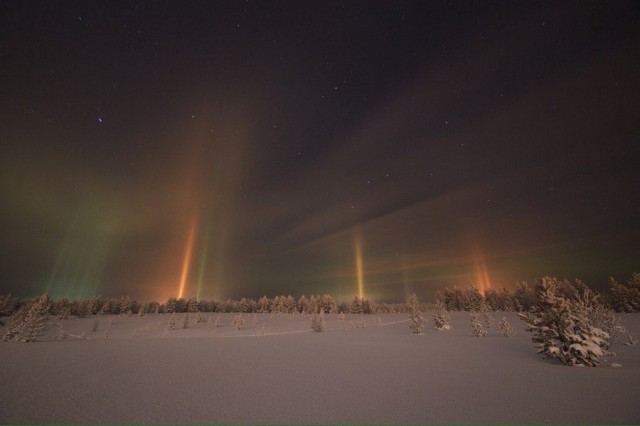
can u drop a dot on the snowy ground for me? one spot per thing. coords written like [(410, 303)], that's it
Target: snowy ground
[(377, 374)]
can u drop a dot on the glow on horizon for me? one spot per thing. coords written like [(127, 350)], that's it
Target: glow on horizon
[(359, 272), (186, 262)]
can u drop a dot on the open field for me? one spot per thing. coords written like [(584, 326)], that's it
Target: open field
[(283, 373)]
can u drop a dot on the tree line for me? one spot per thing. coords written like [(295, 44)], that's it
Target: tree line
[(620, 297)]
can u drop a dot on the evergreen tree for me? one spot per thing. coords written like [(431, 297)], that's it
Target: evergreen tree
[(417, 320), (143, 309), (29, 322), (264, 305), (290, 304), (238, 322), (171, 305), (477, 328), (487, 319), (303, 305), (314, 304), (491, 299), (440, 317), (243, 305), (625, 297), (601, 316), (80, 308), (356, 305), (504, 301), (192, 305), (317, 322), (4, 306), (65, 312), (108, 307), (524, 296), (126, 305), (360, 322), (561, 327), (506, 328), (218, 321), (328, 304), (95, 304), (277, 306), (186, 321), (172, 321)]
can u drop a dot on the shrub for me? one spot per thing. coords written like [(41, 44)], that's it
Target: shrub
[(487, 319), (601, 316), (238, 322), (506, 328), (561, 327), (477, 328), (192, 305), (186, 321), (415, 316), (218, 321), (317, 322), (29, 322), (360, 322), (441, 320), (625, 297)]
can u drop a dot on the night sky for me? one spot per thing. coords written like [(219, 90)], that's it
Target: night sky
[(240, 149)]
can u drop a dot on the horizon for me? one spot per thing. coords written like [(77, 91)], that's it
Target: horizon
[(606, 290)]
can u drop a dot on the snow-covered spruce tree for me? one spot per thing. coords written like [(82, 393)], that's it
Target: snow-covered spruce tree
[(477, 328), (238, 322), (415, 316), (96, 323), (29, 322), (192, 305), (14, 323), (523, 296), (218, 321), (143, 309), (65, 312), (485, 314), (317, 322), (186, 321), (561, 327), (4, 304), (601, 316), (126, 305), (506, 328), (360, 322), (441, 320), (172, 321), (625, 297), (356, 305)]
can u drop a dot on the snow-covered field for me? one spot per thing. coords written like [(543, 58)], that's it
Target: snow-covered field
[(283, 373)]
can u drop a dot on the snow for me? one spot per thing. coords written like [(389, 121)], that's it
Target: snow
[(377, 374)]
